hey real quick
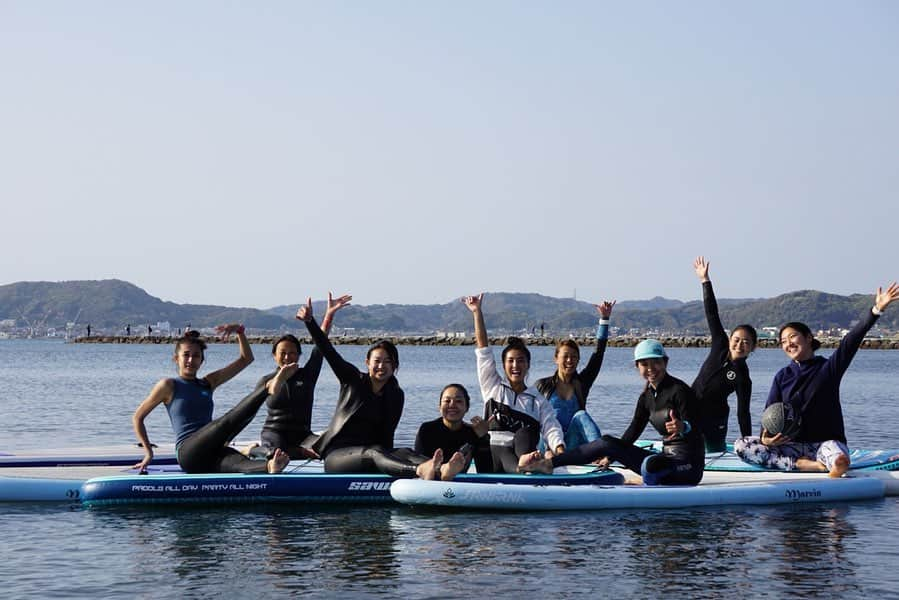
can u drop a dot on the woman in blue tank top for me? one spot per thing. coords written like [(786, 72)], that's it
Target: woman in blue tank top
[(567, 389), (201, 442)]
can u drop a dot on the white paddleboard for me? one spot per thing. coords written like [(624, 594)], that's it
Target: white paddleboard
[(595, 497)]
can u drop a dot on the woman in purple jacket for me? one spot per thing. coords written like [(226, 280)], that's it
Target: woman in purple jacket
[(809, 388)]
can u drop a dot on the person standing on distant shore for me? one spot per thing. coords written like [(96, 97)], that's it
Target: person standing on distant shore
[(723, 372), (519, 414), (567, 389), (288, 425), (88, 330), (201, 443), (809, 389), (128, 330)]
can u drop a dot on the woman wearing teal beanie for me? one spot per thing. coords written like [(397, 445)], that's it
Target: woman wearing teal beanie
[(666, 402)]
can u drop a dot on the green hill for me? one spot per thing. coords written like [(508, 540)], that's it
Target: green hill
[(110, 304)]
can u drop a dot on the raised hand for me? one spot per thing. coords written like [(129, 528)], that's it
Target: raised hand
[(304, 313), (335, 304), (702, 268), (605, 309), (884, 298), (473, 303), (481, 426), (228, 329)]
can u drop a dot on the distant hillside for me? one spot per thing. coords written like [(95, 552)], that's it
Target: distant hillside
[(524, 312), (113, 304), (110, 304)]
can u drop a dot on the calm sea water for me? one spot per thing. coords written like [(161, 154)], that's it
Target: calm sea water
[(55, 394)]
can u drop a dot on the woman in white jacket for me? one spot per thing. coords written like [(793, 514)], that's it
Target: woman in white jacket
[(518, 414)]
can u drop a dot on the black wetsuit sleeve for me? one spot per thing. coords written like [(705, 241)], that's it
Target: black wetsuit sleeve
[(313, 367), (345, 371), (744, 395), (392, 420), (420, 437), (716, 328), (638, 422), (684, 401), (591, 371)]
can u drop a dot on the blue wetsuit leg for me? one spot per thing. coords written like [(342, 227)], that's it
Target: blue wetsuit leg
[(581, 430)]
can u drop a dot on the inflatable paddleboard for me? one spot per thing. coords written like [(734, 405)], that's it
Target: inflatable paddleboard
[(124, 455), (302, 481), (859, 460), (464, 495), (57, 484)]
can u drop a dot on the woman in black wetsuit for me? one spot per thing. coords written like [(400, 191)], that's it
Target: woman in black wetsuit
[(723, 372), (359, 438), (288, 425), (450, 433), (668, 404)]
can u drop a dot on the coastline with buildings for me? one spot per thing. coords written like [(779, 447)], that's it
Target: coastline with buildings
[(468, 340)]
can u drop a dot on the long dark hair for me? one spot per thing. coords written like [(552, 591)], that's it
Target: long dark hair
[(288, 338), (801, 328), (567, 344), (388, 347), (516, 343), (462, 389), (750, 331)]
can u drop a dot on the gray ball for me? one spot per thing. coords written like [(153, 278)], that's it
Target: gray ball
[(780, 418)]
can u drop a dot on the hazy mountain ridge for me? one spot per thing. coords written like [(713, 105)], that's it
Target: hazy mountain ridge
[(111, 304)]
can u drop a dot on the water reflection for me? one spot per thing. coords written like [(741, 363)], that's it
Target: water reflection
[(307, 549), (813, 546)]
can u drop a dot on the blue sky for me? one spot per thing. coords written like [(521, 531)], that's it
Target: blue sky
[(251, 154)]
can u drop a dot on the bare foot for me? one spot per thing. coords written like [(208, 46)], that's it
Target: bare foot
[(534, 463), (278, 461), (635, 480), (840, 466), (430, 469), (453, 466)]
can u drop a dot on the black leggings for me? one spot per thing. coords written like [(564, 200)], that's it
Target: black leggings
[(714, 430), (505, 458), (295, 445), (399, 462), (207, 450), (661, 469)]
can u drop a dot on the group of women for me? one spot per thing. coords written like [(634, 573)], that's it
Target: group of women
[(525, 428)]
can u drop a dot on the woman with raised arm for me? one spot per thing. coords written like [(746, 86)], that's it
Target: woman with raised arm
[(201, 443), (359, 438), (809, 390), (288, 425), (519, 413), (723, 372), (567, 389), (667, 403)]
